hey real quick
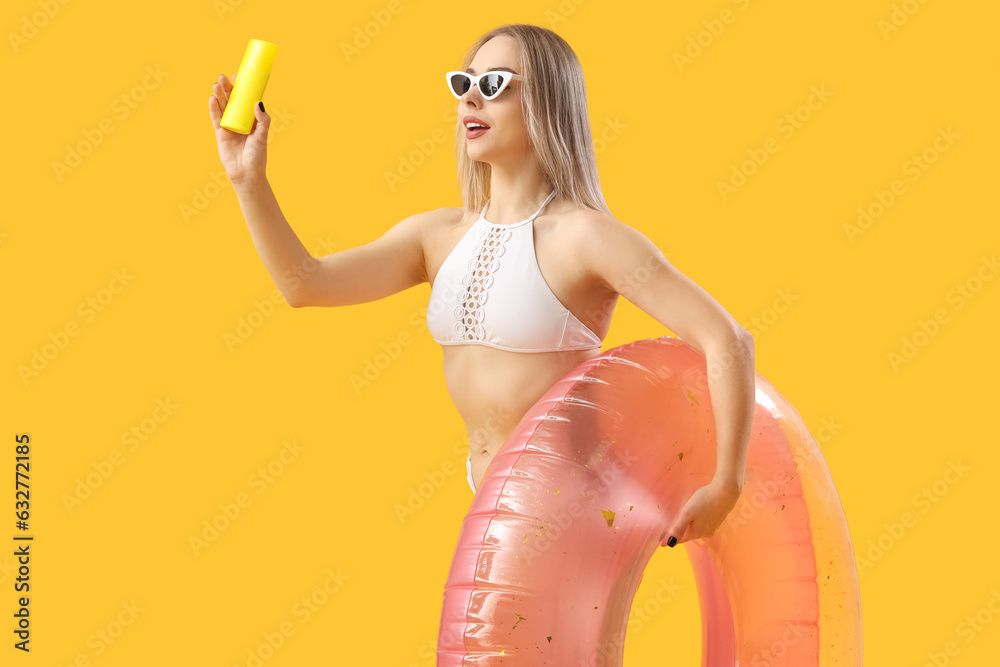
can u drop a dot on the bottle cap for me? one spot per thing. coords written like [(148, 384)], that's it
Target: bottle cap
[(259, 55)]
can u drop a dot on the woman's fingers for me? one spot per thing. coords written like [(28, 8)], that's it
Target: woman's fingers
[(220, 95), (214, 112)]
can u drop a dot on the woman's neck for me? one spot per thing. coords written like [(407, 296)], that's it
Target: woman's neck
[(516, 194)]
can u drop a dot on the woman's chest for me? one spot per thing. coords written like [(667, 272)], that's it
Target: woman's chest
[(526, 275)]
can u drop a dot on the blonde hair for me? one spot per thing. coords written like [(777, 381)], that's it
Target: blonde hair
[(554, 104)]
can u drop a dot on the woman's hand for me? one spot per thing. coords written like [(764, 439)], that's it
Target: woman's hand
[(243, 155), (703, 512)]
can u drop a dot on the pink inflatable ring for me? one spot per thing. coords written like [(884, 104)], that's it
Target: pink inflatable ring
[(582, 493)]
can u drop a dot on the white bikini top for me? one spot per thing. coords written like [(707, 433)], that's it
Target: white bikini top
[(490, 291)]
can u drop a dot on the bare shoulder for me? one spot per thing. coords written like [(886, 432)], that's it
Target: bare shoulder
[(586, 230), (440, 225), (586, 220), (609, 248), (451, 215), (432, 218), (437, 219), (421, 228), (448, 215)]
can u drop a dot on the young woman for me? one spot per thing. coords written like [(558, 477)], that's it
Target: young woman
[(525, 276)]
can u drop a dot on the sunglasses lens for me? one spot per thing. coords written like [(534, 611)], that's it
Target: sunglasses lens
[(490, 85), (460, 83)]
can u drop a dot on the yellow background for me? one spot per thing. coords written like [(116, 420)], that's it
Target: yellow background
[(149, 198)]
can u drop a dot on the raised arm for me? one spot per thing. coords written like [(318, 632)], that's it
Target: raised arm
[(390, 264)]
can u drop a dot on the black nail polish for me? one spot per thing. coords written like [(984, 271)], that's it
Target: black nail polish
[(671, 541), (261, 105)]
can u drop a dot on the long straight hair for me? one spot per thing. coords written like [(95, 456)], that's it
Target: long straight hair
[(554, 104)]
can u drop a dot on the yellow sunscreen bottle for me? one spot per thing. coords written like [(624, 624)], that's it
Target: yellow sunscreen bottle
[(248, 86)]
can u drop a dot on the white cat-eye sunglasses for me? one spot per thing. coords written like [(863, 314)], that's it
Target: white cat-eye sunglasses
[(490, 83)]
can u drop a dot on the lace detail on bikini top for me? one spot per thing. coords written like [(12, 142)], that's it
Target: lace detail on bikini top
[(490, 291)]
